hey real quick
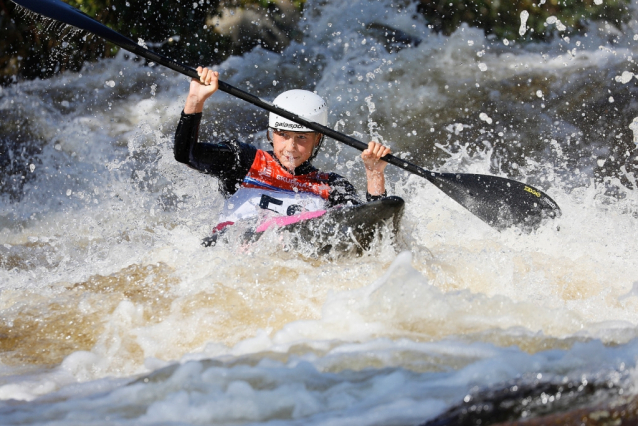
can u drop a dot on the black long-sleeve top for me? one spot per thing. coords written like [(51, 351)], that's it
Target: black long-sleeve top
[(230, 161)]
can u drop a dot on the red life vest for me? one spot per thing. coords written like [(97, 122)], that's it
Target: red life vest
[(267, 173)]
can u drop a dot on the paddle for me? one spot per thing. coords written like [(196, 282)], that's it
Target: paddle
[(498, 201)]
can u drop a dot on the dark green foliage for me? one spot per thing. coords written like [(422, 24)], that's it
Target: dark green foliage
[(28, 50), (503, 17), (158, 22)]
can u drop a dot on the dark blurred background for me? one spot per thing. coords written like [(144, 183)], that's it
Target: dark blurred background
[(211, 30)]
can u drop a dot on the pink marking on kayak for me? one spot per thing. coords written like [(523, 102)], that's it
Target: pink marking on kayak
[(289, 220)]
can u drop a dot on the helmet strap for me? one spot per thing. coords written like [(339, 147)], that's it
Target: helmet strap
[(317, 147)]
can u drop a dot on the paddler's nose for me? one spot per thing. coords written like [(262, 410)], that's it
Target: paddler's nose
[(291, 144)]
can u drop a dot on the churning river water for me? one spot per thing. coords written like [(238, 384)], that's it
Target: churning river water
[(112, 313)]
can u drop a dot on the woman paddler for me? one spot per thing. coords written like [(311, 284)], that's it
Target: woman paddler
[(282, 180)]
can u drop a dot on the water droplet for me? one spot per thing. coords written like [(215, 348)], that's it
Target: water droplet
[(485, 118)]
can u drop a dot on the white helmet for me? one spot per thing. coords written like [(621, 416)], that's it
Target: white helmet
[(305, 104)]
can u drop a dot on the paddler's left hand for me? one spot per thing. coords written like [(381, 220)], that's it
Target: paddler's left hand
[(375, 166), (372, 157)]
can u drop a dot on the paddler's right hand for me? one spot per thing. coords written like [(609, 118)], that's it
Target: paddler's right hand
[(201, 89)]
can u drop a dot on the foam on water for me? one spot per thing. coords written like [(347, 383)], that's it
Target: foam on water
[(104, 281)]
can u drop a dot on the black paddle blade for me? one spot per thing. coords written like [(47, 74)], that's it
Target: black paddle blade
[(500, 202)]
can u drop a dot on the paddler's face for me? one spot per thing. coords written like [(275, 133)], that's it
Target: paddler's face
[(293, 148)]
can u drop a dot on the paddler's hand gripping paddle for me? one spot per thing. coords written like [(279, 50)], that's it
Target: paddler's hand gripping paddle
[(498, 201)]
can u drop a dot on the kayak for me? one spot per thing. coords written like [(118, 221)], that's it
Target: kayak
[(339, 230)]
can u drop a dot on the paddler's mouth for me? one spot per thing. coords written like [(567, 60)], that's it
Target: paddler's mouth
[(291, 158)]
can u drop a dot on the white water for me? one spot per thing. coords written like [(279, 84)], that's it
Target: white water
[(103, 280)]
